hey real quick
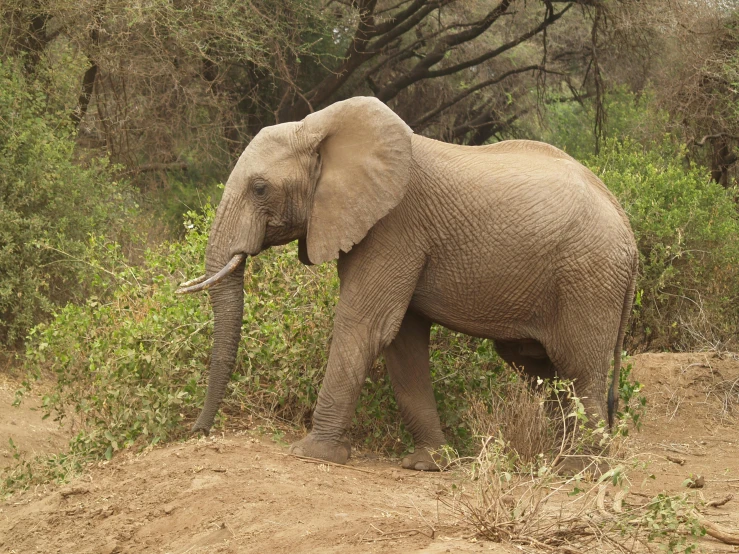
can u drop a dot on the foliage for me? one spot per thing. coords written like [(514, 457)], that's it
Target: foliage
[(127, 367), (569, 125), (49, 204), (633, 405), (516, 494), (665, 519), (178, 193), (686, 227)]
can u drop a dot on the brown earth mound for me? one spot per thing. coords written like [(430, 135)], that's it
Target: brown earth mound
[(243, 493)]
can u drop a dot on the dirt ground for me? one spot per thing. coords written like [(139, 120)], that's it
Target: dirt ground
[(30, 433), (241, 492)]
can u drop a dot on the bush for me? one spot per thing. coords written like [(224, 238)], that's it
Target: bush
[(49, 205), (570, 125), (132, 370), (128, 369), (686, 228)]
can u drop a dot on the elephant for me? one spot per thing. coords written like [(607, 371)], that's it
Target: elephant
[(514, 241)]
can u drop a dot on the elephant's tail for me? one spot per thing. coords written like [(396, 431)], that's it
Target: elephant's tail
[(613, 392)]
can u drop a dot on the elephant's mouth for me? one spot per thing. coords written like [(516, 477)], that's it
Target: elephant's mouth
[(203, 283)]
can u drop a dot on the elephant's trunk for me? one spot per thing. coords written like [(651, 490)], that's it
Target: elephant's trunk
[(234, 236), (227, 299), (228, 308)]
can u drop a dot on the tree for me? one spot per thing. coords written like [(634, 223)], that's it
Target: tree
[(178, 83), (449, 68), (169, 82), (694, 73)]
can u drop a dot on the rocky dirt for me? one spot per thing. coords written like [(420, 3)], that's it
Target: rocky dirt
[(241, 492)]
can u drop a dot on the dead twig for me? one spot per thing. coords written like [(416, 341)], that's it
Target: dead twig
[(717, 503), (310, 460), (618, 500), (414, 530), (717, 532)]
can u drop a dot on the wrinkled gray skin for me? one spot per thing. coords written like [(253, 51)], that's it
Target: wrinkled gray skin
[(514, 241)]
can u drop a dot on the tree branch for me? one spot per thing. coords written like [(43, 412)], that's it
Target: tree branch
[(702, 141), (88, 80), (409, 49), (421, 71), (422, 122), (503, 48), (398, 18), (391, 8), (360, 51), (88, 86)]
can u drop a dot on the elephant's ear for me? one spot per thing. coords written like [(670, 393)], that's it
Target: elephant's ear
[(365, 154)]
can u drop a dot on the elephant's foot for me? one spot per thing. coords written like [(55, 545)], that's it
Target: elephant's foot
[(336, 451), (424, 459)]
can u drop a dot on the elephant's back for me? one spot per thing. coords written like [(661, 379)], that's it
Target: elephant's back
[(508, 225), (519, 179), (545, 161)]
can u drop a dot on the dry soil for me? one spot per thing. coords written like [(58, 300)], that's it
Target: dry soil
[(241, 492)]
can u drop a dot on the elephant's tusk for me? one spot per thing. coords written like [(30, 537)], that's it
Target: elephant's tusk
[(193, 281), (217, 278)]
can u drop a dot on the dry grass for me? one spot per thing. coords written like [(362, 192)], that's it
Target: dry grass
[(727, 393), (516, 496), (538, 424), (542, 512)]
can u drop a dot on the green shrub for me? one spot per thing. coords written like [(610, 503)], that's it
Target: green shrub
[(132, 369), (128, 368), (570, 125), (686, 228), (49, 205)]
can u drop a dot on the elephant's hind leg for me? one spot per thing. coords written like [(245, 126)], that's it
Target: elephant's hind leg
[(527, 356), (582, 353), (407, 359)]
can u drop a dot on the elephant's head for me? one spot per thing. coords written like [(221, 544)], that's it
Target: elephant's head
[(325, 180)]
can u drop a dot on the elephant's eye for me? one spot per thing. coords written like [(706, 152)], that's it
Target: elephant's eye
[(259, 188)]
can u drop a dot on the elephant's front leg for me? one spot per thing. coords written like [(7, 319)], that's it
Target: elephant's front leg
[(376, 288), (407, 359), (353, 350)]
